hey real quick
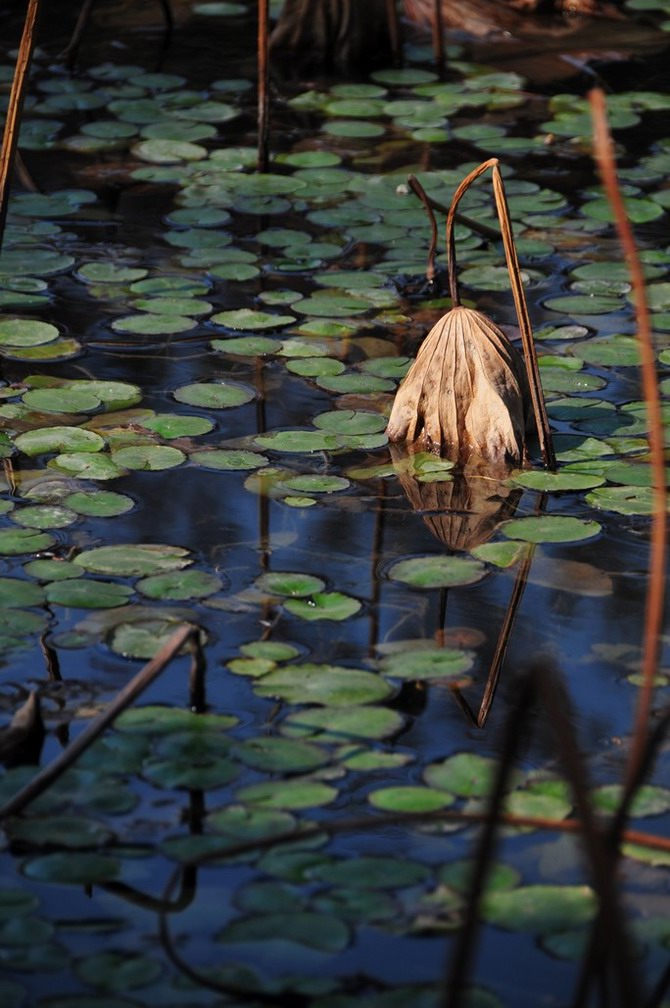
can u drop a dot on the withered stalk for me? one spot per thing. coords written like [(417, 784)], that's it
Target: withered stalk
[(418, 190), (263, 85), (530, 356), (15, 107)]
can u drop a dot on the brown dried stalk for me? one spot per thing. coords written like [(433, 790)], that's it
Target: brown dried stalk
[(466, 393), (653, 624), (525, 328), (263, 85), (15, 107)]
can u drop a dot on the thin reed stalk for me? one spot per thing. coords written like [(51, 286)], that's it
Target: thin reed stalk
[(653, 620), (263, 111), (394, 31), (418, 190), (15, 108), (438, 38)]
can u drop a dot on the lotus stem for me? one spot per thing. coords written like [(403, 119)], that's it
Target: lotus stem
[(15, 107), (263, 85), (653, 620), (419, 191), (394, 31)]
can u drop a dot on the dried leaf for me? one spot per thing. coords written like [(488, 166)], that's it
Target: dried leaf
[(465, 394)]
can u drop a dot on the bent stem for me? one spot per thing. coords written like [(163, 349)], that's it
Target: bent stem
[(653, 620), (512, 260), (418, 190)]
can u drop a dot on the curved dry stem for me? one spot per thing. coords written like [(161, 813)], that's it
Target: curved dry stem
[(418, 190), (653, 621)]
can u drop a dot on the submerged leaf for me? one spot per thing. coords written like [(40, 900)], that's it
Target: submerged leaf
[(465, 393)]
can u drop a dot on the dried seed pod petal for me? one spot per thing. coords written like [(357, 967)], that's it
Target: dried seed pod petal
[(465, 394)]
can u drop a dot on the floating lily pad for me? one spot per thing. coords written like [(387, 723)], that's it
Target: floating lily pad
[(550, 528), (13, 542), (314, 483), (556, 481), (110, 272), (61, 400), (148, 457), (329, 685), (437, 663), (247, 346), (72, 868), (214, 395), (314, 930), (112, 970), (21, 332), (247, 318), (583, 304), (280, 755), (468, 775), (627, 500), (133, 560), (288, 794), (185, 584), (502, 554), (44, 516), (324, 606), (87, 465), (350, 422), (141, 639), (437, 571), (229, 459), (16, 593), (291, 585), (410, 799), (327, 724), (299, 441), (58, 439), (540, 909), (52, 570), (153, 324), (85, 593), (371, 873)]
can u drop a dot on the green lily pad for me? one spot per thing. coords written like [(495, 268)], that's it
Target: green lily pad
[(26, 332), (214, 395), (501, 554), (247, 318), (437, 571), (558, 481), (627, 500), (317, 484), (410, 799), (112, 970), (328, 724), (280, 755), (44, 516), (649, 800), (467, 775), (148, 457), (99, 503), (153, 324), (229, 459), (14, 542), (109, 272), (87, 465), (84, 593), (314, 930), (323, 606), (540, 909), (291, 585), (329, 685), (72, 868), (69, 831), (298, 441), (371, 873), (51, 570), (185, 584), (62, 400), (58, 439), (298, 793), (583, 304), (141, 639), (247, 346), (550, 528), (16, 593), (350, 422), (434, 663), (132, 560)]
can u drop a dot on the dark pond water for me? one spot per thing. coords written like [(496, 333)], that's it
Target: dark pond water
[(213, 381)]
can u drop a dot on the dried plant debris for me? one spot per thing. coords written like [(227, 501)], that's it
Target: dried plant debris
[(466, 392)]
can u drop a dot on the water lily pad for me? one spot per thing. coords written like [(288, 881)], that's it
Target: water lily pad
[(314, 930), (141, 639), (58, 439), (229, 459), (583, 304), (434, 663), (247, 318), (298, 793), (350, 422), (291, 585), (60, 830), (185, 584), (371, 873), (133, 560), (467, 775), (437, 571), (61, 400), (20, 332), (110, 272), (84, 593), (556, 481), (327, 724), (299, 441), (87, 465), (51, 570), (15, 593), (214, 395), (410, 799), (501, 554), (148, 457), (329, 685), (540, 909), (314, 483), (550, 528), (153, 324), (112, 970), (13, 542), (627, 500), (324, 606), (44, 516), (72, 868), (280, 755), (247, 346)]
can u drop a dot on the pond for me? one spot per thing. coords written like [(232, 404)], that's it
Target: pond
[(198, 364)]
